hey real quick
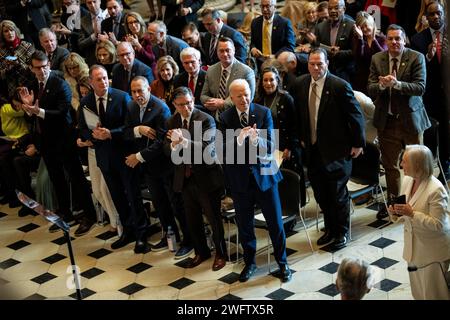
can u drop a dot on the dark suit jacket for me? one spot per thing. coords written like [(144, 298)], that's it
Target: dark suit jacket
[(265, 173), (434, 96), (208, 177), (155, 116), (283, 38), (56, 125), (238, 40), (20, 15), (182, 80), (138, 69), (59, 56), (172, 9), (340, 122), (174, 47), (115, 149), (411, 74), (342, 64), (85, 43), (107, 26)]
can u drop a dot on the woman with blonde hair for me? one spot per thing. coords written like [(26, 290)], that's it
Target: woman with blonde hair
[(106, 55), (136, 35), (162, 87), (366, 43), (74, 69), (425, 212)]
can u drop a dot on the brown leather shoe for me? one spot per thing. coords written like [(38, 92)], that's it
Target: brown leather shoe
[(196, 261), (219, 263)]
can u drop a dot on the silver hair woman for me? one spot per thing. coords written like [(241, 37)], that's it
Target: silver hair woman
[(427, 227)]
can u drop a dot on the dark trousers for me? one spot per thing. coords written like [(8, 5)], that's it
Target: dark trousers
[(23, 166), (67, 161), (269, 202), (329, 183), (196, 202), (168, 205), (124, 185)]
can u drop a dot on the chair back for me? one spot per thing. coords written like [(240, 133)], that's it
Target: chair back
[(366, 168), (289, 190)]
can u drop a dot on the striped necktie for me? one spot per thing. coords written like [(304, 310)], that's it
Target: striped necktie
[(223, 84)]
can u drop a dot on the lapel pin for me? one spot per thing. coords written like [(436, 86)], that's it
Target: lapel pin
[(110, 99), (47, 91), (327, 92), (403, 63)]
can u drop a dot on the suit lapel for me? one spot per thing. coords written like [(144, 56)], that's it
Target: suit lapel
[(403, 64), (385, 64), (324, 98), (251, 116), (420, 190)]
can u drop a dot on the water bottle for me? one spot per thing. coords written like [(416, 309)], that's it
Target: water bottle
[(171, 240), (209, 240)]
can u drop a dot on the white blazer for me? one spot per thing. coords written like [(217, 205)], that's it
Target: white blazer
[(427, 234)]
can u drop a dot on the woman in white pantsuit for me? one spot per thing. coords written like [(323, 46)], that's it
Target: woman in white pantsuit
[(427, 225)]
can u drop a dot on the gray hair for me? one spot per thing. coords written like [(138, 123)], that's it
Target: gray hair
[(238, 82), (189, 51), (421, 160), (161, 26), (45, 31), (141, 78), (353, 278)]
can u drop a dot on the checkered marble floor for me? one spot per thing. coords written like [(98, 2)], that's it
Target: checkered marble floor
[(34, 264)]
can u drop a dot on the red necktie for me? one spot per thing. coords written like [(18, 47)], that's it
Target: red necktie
[(191, 84), (438, 45)]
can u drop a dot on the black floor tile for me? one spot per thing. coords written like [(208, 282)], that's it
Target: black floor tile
[(62, 240), (2, 214), (84, 293), (384, 263), (330, 248), (280, 294), (100, 253), (379, 224), (181, 283), (91, 273), (8, 263), (291, 233), (290, 251), (18, 245), (54, 258), (35, 296), (43, 278), (138, 268), (28, 227), (230, 278), (387, 285), (382, 243), (230, 297), (330, 290), (132, 288), (375, 206), (331, 268), (107, 235)]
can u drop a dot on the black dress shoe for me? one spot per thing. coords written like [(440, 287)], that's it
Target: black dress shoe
[(142, 246), (326, 238), (124, 239), (382, 213), (198, 259), (24, 211), (340, 242), (247, 272), (284, 273), (84, 227)]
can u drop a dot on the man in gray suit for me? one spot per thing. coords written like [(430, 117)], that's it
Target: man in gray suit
[(56, 54), (396, 84), (215, 95)]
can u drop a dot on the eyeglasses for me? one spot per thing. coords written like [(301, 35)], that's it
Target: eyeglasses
[(132, 22), (125, 54), (186, 104), (266, 6)]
